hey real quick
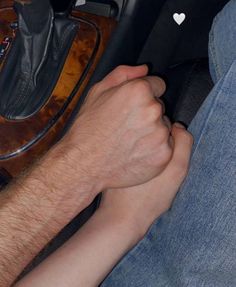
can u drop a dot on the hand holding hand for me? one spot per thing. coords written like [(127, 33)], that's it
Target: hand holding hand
[(120, 130), (139, 206)]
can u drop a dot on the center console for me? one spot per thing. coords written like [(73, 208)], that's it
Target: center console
[(39, 93), (101, 42)]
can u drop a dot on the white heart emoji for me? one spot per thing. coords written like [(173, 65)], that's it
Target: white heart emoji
[(179, 18)]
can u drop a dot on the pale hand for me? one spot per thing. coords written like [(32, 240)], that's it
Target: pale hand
[(139, 206)]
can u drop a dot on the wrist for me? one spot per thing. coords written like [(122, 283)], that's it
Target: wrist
[(65, 172), (119, 228), (129, 223)]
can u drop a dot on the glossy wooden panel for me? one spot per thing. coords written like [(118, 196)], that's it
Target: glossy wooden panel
[(21, 142)]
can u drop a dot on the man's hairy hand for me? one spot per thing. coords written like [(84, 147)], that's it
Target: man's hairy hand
[(121, 131)]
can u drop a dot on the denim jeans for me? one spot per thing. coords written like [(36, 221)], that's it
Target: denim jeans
[(194, 244)]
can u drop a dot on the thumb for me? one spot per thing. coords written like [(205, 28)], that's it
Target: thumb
[(183, 143)]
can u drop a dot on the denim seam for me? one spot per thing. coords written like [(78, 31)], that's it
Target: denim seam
[(212, 50)]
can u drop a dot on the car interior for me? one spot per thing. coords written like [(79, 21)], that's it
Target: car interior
[(89, 39)]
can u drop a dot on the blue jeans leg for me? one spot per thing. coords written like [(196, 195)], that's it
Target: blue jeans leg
[(222, 41), (194, 244)]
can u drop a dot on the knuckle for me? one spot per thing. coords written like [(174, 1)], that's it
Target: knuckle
[(159, 109), (162, 86), (94, 88), (142, 87), (137, 91), (155, 111), (121, 70)]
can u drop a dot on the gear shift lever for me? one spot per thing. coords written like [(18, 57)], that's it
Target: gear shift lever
[(34, 13), (35, 60), (35, 29)]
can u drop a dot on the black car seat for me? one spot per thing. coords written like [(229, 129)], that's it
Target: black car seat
[(180, 54)]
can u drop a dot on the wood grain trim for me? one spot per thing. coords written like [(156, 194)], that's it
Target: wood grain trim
[(19, 149)]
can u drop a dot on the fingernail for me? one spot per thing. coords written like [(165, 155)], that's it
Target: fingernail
[(180, 126), (145, 65)]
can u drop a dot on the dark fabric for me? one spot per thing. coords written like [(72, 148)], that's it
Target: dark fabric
[(188, 86), (169, 43), (196, 87), (172, 51)]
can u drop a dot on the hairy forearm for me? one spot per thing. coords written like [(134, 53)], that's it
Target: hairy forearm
[(36, 207), (87, 258)]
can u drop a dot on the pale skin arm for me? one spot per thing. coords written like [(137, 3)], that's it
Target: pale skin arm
[(100, 152), (122, 220)]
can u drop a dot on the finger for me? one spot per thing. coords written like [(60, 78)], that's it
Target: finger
[(162, 103), (183, 142), (157, 85), (167, 122), (121, 75)]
